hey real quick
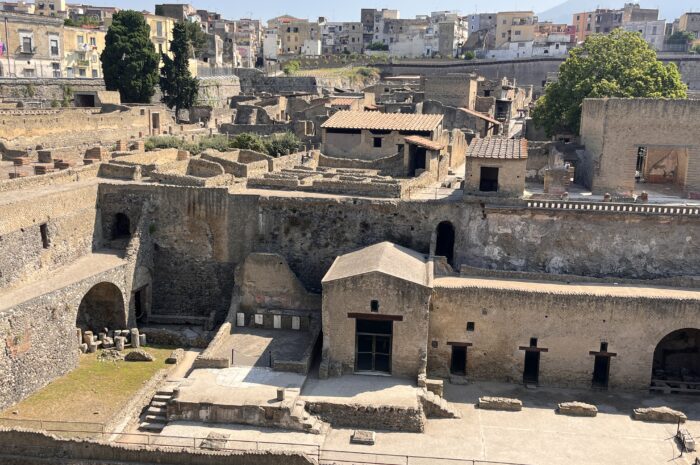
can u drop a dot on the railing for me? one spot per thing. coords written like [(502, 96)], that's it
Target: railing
[(324, 456), (433, 193), (606, 207)]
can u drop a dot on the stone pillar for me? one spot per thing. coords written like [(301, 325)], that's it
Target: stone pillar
[(87, 337), (119, 343), (135, 342)]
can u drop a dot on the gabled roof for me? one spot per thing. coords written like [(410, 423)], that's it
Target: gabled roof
[(498, 147), (425, 143), (382, 121), (386, 258)]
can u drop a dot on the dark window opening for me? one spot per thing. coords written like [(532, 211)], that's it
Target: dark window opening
[(603, 346), (44, 230), (122, 227), (489, 179), (458, 361), (445, 243), (377, 142), (533, 342), (470, 326), (374, 306)]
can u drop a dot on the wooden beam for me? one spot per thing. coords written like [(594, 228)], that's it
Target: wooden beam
[(375, 317), (533, 349), (460, 344)]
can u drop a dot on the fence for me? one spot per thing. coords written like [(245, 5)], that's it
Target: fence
[(433, 193), (606, 207), (75, 429)]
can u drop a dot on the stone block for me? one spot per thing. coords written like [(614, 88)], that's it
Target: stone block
[(240, 319), (45, 156), (435, 386), (175, 357), (139, 355), (360, 436), (577, 409), (134, 338), (101, 336), (87, 337), (83, 348), (659, 414), (296, 323), (142, 339), (92, 347), (277, 321), (119, 342), (500, 403), (280, 393)]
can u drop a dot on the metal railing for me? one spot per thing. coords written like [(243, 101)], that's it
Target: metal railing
[(323, 456), (608, 207)]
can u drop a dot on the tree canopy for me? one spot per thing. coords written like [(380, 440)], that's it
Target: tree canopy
[(178, 86), (620, 64), (198, 39), (129, 60)]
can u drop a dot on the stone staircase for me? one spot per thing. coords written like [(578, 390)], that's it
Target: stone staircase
[(435, 406), (302, 420), (155, 417)]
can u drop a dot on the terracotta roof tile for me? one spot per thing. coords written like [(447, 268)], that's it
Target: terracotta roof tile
[(425, 143), (483, 116), (383, 121), (498, 147), (344, 101)]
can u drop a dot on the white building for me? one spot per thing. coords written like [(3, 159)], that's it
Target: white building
[(652, 31)]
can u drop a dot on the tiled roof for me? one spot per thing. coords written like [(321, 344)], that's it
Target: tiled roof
[(386, 258), (498, 147), (383, 121), (344, 101), (481, 115), (423, 142)]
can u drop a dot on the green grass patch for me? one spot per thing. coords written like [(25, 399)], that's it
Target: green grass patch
[(93, 392)]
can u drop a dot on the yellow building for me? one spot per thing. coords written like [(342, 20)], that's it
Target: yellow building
[(515, 26), (51, 8), (81, 52), (162, 34)]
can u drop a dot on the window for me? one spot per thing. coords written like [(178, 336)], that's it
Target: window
[(26, 45), (159, 29), (82, 72), (517, 33), (374, 306), (377, 142), (28, 72), (489, 179), (56, 68), (95, 74), (44, 231), (533, 342), (93, 41), (503, 35), (80, 41), (53, 46), (603, 346), (470, 326)]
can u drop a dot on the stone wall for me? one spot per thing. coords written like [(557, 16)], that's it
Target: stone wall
[(254, 81), (21, 447), (217, 91), (567, 320), (406, 419), (47, 90)]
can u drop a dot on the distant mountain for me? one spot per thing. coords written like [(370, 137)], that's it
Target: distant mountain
[(669, 10)]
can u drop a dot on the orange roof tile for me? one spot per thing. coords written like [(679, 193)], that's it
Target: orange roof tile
[(498, 147), (425, 143), (383, 121), (483, 116)]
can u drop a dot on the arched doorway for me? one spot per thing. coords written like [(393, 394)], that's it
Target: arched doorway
[(677, 356), (121, 228), (445, 243), (101, 307)]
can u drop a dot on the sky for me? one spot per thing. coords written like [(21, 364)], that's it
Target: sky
[(336, 10)]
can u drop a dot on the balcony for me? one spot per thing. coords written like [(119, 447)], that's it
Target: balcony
[(27, 50)]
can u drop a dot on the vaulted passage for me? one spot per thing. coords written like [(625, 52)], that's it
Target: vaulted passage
[(102, 307), (677, 357), (122, 227)]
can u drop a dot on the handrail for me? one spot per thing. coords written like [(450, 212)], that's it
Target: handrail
[(610, 207)]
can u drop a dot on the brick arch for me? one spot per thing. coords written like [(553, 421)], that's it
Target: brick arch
[(102, 306), (677, 355)]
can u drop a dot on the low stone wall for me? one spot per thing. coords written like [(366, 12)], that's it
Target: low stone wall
[(23, 447), (285, 161), (236, 164), (260, 129), (405, 419), (112, 171), (387, 166), (60, 177), (500, 403)]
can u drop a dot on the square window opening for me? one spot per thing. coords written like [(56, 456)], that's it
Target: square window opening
[(377, 142), (470, 326), (374, 306), (44, 230)]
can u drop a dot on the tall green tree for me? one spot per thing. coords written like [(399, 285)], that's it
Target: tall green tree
[(620, 64), (178, 86), (129, 60), (198, 39)]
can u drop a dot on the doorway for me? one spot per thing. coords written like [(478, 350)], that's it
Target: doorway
[(601, 371), (373, 339), (458, 362), (531, 372), (445, 243), (155, 123)]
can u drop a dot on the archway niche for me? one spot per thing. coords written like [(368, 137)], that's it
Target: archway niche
[(121, 228), (102, 307), (677, 356)]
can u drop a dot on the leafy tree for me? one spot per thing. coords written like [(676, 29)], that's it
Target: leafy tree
[(129, 60), (248, 141), (291, 67), (469, 55), (176, 82), (378, 47), (281, 145), (696, 49), (620, 64), (198, 39)]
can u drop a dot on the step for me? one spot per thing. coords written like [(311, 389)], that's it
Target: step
[(156, 418), (156, 410), (158, 403), (162, 397), (147, 426)]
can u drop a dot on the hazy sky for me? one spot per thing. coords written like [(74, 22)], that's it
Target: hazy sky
[(341, 10)]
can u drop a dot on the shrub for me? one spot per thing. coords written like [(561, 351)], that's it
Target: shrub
[(469, 55), (291, 67), (282, 144)]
